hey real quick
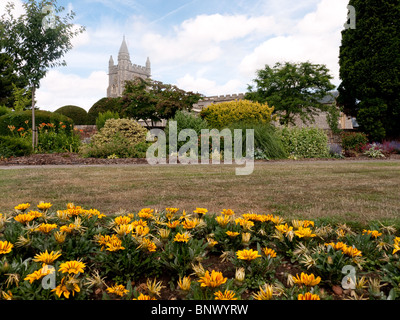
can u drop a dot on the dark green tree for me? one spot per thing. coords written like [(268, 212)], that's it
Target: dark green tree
[(36, 41), (294, 89), (370, 68), (153, 101)]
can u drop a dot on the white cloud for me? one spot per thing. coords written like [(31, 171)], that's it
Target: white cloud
[(58, 89), (208, 87), (18, 8)]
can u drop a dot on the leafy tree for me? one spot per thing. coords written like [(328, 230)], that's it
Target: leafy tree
[(35, 46), (294, 89), (153, 101), (370, 68)]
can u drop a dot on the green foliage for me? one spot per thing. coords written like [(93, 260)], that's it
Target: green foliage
[(373, 151), (293, 89), (354, 141), (102, 106), (305, 142), (221, 115), (154, 100), (77, 114), (103, 117), (14, 147), (52, 141), (119, 137), (22, 100), (369, 67), (4, 110), (23, 119)]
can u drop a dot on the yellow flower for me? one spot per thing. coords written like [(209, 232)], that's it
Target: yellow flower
[(266, 292), (232, 234), (7, 296), (374, 233), (47, 258), (44, 206), (146, 213), (66, 287), (246, 237), (190, 224), (247, 254), (337, 246), (119, 290), (60, 236), (24, 218), (123, 229), (144, 297), (5, 247), (184, 283), (141, 231), (184, 237), (228, 212), (212, 280), (240, 274), (46, 227), (284, 228), (352, 252), (172, 210), (307, 280), (173, 225), (39, 274), (223, 220), (122, 220), (22, 207), (308, 296), (244, 223), (269, 252), (396, 245), (304, 233), (200, 211), (72, 267), (227, 295), (147, 244)]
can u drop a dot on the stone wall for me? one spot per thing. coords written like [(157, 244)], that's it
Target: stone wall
[(85, 131)]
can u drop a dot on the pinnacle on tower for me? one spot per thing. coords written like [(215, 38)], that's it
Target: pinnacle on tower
[(123, 51)]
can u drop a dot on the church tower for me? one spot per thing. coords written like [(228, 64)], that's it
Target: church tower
[(124, 71)]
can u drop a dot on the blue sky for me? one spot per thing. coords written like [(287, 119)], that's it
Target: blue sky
[(213, 47)]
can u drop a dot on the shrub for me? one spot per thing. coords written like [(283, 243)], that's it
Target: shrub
[(119, 137), (354, 141), (103, 117), (221, 115), (23, 119), (103, 105), (77, 114), (4, 110), (335, 150), (51, 141), (14, 147), (373, 151), (305, 142)]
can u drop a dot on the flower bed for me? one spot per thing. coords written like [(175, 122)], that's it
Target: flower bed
[(84, 254)]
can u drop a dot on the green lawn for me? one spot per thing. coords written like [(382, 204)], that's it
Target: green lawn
[(342, 190)]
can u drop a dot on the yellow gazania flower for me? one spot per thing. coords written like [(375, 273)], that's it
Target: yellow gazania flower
[(60, 236), (46, 227), (5, 247), (307, 280), (223, 220), (337, 246), (65, 288), (266, 292), (283, 228), (277, 220), (246, 237), (228, 212), (119, 290), (36, 214), (396, 245), (232, 234), (39, 274), (146, 213), (44, 206), (227, 295), (123, 229), (22, 207), (308, 296), (304, 233), (184, 283), (114, 244), (182, 237), (147, 244), (141, 231), (374, 233), (122, 220), (72, 267), (245, 224), (190, 224), (47, 258), (144, 297), (213, 280), (302, 223), (200, 211), (137, 223), (173, 224), (211, 242), (352, 252), (269, 252), (7, 295), (247, 254), (172, 210), (24, 218)]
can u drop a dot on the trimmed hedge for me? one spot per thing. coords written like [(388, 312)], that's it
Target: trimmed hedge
[(14, 147), (23, 119), (77, 114), (102, 106)]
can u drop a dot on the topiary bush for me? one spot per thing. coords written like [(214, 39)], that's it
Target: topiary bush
[(122, 138), (14, 147), (77, 114), (221, 115), (103, 105), (305, 142), (23, 119)]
